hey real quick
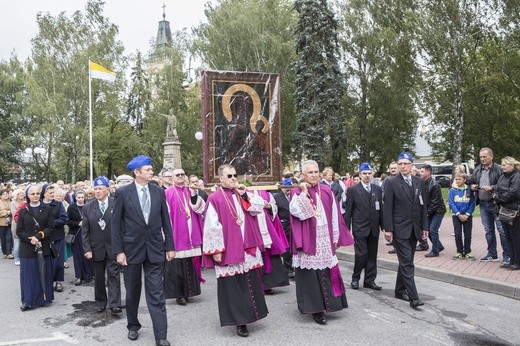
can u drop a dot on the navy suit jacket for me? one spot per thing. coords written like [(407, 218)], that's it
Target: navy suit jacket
[(364, 210), (95, 239), (130, 233), (404, 208)]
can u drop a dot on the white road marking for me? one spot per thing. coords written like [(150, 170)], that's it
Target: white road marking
[(56, 336)]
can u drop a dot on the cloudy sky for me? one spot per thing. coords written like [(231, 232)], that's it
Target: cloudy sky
[(137, 20)]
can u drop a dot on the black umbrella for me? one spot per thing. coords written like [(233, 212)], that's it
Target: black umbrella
[(41, 269)]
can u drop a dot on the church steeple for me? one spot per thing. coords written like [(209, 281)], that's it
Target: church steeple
[(164, 34)]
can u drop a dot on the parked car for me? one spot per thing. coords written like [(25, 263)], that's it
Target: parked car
[(442, 180)]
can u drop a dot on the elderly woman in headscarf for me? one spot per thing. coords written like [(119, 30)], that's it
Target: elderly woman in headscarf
[(34, 229), (58, 234), (82, 266)]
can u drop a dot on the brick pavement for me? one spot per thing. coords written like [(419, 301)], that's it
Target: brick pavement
[(485, 276)]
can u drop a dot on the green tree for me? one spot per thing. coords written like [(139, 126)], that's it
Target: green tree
[(320, 119), (378, 44), (58, 88), (12, 91), (452, 32), (255, 36), (139, 98)]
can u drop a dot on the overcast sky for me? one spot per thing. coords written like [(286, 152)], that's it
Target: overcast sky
[(137, 20)]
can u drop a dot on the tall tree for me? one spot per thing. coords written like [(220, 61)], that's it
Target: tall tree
[(12, 91), (140, 97), (58, 86), (452, 33), (255, 36), (320, 119), (378, 45)]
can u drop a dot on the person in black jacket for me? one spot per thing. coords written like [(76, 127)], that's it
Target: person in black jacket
[(82, 267), (58, 234), (282, 199), (436, 209), (34, 229), (506, 193), (484, 176)]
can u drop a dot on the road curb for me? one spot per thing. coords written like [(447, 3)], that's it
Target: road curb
[(476, 283)]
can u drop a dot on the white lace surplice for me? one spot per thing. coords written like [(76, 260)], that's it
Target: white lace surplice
[(299, 207), (214, 244)]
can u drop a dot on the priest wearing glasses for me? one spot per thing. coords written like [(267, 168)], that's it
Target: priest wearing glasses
[(232, 245)]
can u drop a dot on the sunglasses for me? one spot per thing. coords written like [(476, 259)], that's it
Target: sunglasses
[(232, 176), (178, 175)]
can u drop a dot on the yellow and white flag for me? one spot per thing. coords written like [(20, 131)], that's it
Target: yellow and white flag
[(99, 72)]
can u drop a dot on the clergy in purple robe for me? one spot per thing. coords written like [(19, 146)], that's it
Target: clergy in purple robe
[(274, 273), (317, 230), (182, 276), (232, 245)]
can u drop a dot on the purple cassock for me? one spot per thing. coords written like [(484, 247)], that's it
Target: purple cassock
[(178, 199), (304, 232), (234, 244), (275, 228)]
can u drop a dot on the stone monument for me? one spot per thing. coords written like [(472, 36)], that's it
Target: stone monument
[(171, 144)]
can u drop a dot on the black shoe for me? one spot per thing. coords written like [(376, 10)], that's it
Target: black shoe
[(422, 248), (58, 287), (431, 254), (115, 310), (354, 284), (269, 292), (505, 265), (181, 301), (242, 331), (101, 309), (77, 282), (402, 296), (319, 317), (290, 275), (513, 267), (391, 251), (133, 335), (162, 342), (414, 303), (372, 285), (24, 307)]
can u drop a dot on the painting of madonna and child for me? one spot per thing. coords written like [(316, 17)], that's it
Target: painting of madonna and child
[(241, 125)]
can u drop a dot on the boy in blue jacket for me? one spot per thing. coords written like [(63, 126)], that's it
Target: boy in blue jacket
[(462, 204)]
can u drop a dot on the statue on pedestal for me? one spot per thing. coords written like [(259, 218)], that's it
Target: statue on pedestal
[(171, 125)]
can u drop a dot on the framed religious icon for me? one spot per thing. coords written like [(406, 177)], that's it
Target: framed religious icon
[(241, 125)]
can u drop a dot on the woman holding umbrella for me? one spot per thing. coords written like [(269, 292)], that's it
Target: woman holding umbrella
[(35, 225)]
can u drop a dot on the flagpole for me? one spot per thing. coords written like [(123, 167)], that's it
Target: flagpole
[(90, 119)]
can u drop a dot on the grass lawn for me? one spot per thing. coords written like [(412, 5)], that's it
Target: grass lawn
[(445, 190)]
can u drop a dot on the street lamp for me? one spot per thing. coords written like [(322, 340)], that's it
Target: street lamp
[(38, 152)]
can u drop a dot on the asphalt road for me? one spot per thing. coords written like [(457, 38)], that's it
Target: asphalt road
[(452, 315)]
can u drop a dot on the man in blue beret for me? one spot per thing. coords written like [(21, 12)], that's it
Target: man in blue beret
[(405, 222), (364, 217), (97, 247), (141, 231)]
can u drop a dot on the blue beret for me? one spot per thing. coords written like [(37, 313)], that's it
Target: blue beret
[(365, 166), (101, 181), (287, 182), (405, 156), (139, 161)]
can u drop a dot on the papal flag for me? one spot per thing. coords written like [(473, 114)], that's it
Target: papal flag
[(99, 72)]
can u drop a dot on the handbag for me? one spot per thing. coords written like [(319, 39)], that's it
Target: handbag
[(69, 238), (507, 215), (54, 251)]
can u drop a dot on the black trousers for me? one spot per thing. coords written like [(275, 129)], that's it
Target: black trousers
[(405, 250), (365, 257), (154, 292), (113, 270), (512, 233)]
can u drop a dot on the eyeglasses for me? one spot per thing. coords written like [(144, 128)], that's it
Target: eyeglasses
[(232, 176), (178, 175)]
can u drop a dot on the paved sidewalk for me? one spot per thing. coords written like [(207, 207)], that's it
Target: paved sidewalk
[(484, 276)]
